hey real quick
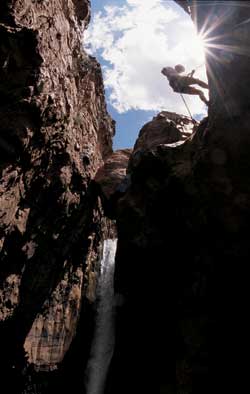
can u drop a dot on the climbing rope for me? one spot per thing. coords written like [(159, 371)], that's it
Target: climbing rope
[(199, 66), (195, 121), (195, 69)]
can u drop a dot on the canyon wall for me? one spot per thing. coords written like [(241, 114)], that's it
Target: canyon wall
[(55, 133), (225, 28), (182, 211)]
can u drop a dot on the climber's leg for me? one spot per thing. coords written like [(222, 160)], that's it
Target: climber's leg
[(196, 81), (196, 92)]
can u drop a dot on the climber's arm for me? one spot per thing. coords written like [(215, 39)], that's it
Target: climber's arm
[(191, 74)]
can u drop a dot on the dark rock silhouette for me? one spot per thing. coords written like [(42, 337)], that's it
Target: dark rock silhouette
[(177, 263), (183, 4), (182, 323), (177, 128)]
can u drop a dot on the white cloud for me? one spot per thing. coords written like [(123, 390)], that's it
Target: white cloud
[(137, 40)]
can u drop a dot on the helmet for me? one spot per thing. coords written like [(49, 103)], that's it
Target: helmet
[(179, 68)]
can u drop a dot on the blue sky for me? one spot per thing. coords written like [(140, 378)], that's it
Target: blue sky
[(133, 40)]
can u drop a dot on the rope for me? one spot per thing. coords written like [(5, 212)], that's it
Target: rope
[(188, 109), (185, 100), (200, 66), (194, 70)]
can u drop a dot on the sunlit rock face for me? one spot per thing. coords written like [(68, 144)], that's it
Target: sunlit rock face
[(52, 331), (55, 133)]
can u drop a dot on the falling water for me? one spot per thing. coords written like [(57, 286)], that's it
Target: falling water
[(103, 342)]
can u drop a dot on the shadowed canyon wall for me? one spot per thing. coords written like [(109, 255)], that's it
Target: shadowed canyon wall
[(183, 232)]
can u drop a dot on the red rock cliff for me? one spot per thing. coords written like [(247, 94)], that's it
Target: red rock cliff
[(55, 133)]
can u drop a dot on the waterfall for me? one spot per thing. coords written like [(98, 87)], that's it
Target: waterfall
[(103, 342)]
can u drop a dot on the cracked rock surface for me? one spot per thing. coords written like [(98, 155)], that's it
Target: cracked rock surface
[(55, 133)]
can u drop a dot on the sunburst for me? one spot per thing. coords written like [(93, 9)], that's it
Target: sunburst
[(214, 41), (222, 38)]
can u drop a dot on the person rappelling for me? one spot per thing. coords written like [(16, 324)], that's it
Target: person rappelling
[(181, 83)]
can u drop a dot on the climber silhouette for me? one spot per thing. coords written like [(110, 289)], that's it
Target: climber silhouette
[(181, 83)]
